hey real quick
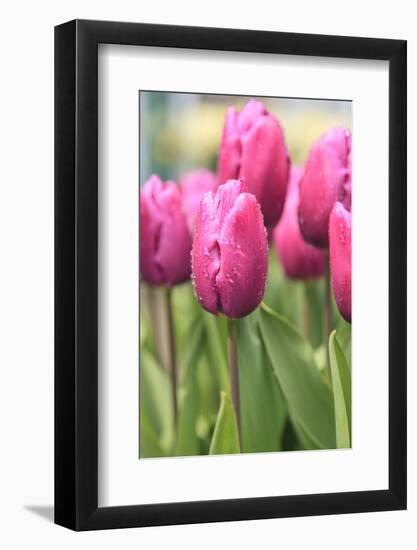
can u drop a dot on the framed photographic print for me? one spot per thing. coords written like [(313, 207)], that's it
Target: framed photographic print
[(230, 252)]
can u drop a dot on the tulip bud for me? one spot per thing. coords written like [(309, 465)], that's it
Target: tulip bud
[(193, 186), (253, 150), (340, 241), (230, 251), (299, 259), (165, 241), (326, 180)]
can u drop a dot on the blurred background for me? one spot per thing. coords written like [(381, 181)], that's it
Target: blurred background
[(181, 131)]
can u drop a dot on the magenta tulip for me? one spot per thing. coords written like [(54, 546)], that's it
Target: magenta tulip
[(193, 186), (299, 259), (230, 251), (340, 240), (326, 180), (165, 241), (253, 150)]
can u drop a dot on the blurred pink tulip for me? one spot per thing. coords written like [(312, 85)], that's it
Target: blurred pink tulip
[(299, 259), (253, 150), (340, 240), (193, 186), (326, 180), (230, 251), (165, 241)]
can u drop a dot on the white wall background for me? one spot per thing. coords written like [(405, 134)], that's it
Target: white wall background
[(26, 272)]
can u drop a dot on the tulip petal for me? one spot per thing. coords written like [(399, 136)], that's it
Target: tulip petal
[(265, 166), (193, 187), (204, 269), (148, 230), (326, 179), (149, 227), (249, 115), (340, 239), (173, 252), (299, 259), (230, 149), (165, 241), (244, 258), (253, 150), (206, 251), (229, 159), (230, 251), (231, 123)]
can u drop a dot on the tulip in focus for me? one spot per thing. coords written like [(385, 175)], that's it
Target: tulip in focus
[(299, 259), (230, 251), (340, 240), (253, 150), (165, 241), (326, 180), (193, 187)]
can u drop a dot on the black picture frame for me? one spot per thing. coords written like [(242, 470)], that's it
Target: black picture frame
[(76, 271)]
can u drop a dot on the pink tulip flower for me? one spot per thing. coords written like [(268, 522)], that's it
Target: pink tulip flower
[(299, 259), (230, 251), (193, 186), (253, 150), (165, 241), (340, 240), (326, 180)]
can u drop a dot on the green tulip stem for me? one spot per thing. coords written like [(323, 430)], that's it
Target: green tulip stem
[(234, 372), (150, 295), (327, 318), (172, 355)]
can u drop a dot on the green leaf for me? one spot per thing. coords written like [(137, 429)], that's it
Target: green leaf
[(301, 302), (306, 439), (216, 347), (209, 395), (186, 311), (187, 441), (155, 401), (225, 437), (344, 338), (320, 357), (263, 408), (291, 441), (314, 294), (282, 294), (153, 319), (341, 381), (309, 399), (149, 445)]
